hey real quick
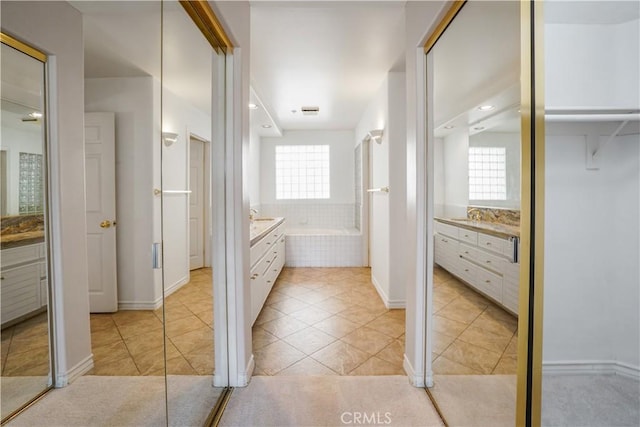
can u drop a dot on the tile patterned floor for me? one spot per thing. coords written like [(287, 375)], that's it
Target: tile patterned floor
[(327, 321), (131, 342), (472, 335), (25, 348)]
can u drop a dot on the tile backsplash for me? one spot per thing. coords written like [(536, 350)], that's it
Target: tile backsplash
[(502, 216)]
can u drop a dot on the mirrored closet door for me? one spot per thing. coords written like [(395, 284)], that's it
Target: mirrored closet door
[(24, 292)]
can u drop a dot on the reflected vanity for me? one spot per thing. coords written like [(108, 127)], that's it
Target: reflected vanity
[(25, 357)]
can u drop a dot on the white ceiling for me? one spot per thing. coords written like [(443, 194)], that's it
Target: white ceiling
[(333, 55), (590, 12), (123, 39), (22, 80)]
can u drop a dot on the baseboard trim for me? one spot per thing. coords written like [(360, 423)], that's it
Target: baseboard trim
[(415, 379), (592, 367), (64, 379), (139, 305), (177, 285), (389, 303), (244, 377)]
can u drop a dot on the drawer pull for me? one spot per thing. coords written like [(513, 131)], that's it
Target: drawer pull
[(268, 243), (488, 262), (488, 243), (282, 241), (254, 276), (466, 235), (487, 281), (268, 262), (466, 269), (445, 240), (268, 281), (466, 252)]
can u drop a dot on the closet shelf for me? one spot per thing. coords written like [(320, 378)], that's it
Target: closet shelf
[(592, 114)]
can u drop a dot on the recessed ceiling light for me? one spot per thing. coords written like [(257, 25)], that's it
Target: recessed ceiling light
[(266, 126), (253, 106), (478, 128), (449, 126), (35, 115), (486, 107)]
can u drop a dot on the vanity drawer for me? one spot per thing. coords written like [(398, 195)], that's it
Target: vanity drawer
[(489, 283), (491, 243), (468, 252), (468, 236), (446, 229), (466, 271), (490, 261)]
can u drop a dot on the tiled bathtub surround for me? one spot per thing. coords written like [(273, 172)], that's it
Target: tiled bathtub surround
[(323, 248), (502, 216), (324, 215)]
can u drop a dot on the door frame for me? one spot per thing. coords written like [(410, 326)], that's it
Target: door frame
[(206, 218)]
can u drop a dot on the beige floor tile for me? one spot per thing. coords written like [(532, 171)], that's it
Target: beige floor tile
[(206, 317), (440, 341), (507, 365), (199, 341), (491, 322), (461, 311), (202, 304), (141, 327), (203, 364), (376, 366), (151, 362), (341, 357), (179, 366), (400, 314), (261, 338), (331, 290), (31, 363), (176, 312), (512, 348), (472, 356), (132, 316), (284, 326), (387, 325), (277, 356), (110, 353), (266, 314), (393, 353), (106, 336), (311, 315), (358, 314), (311, 297), (485, 339), (368, 340), (294, 290), (175, 328), (24, 341), (101, 321), (309, 340), (274, 296), (336, 326), (289, 305), (141, 344), (124, 367), (333, 305), (444, 366), (307, 366), (449, 327)]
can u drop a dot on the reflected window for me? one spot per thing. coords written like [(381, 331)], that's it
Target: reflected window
[(30, 185), (487, 173)]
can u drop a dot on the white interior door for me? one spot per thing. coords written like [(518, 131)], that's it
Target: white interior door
[(196, 204), (99, 141)]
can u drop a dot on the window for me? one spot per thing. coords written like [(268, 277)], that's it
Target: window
[(30, 191), (487, 173), (302, 172)]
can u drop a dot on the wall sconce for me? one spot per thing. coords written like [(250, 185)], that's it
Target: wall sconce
[(169, 138), (375, 135)]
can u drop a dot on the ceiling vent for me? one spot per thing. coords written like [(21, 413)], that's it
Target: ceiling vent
[(310, 111)]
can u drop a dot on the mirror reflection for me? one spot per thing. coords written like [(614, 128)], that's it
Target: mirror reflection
[(476, 99), (25, 362)]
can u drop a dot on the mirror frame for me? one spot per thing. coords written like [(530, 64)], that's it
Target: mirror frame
[(38, 55), (530, 312)]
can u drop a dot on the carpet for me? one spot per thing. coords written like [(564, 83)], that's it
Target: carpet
[(124, 401), (16, 391), (590, 400), (476, 400), (329, 401)]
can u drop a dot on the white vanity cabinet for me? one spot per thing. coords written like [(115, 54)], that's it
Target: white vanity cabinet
[(267, 260), (24, 281), (481, 260)]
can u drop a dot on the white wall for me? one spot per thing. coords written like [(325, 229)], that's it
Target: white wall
[(387, 225), (597, 52), (511, 143), (456, 174), (17, 137), (341, 163), (254, 169), (438, 178), (592, 248), (137, 111), (56, 28)]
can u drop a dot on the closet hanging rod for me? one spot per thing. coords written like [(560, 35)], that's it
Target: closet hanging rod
[(157, 192), (634, 117), (378, 190)]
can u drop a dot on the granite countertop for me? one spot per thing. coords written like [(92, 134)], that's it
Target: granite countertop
[(494, 228), (260, 227), (21, 230)]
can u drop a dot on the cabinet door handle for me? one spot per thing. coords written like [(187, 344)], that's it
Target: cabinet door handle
[(488, 262), (268, 262), (444, 240), (282, 241), (2, 278), (255, 275), (466, 252), (466, 269), (487, 281), (268, 281), (466, 235), (488, 243)]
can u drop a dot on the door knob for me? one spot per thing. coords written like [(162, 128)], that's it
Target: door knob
[(105, 224)]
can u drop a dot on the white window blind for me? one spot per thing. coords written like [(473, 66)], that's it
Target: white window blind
[(302, 172), (487, 173)]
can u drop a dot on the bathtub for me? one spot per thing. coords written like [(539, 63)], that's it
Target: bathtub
[(323, 247)]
